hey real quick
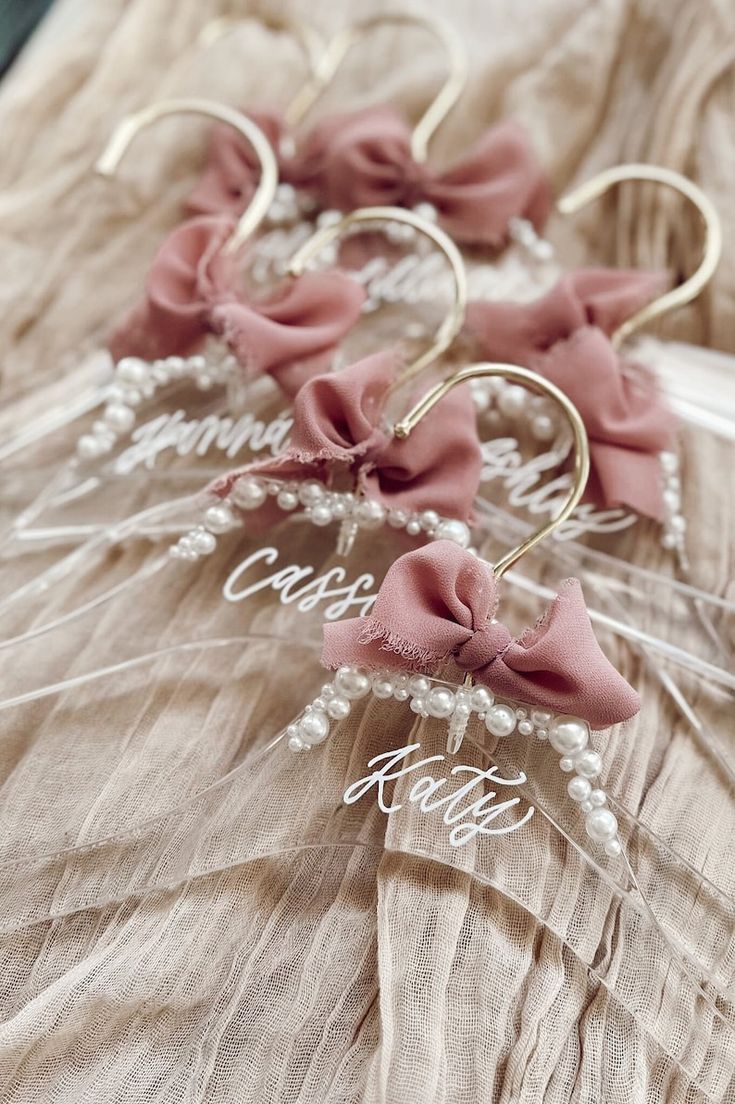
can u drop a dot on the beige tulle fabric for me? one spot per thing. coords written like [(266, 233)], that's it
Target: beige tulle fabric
[(189, 914)]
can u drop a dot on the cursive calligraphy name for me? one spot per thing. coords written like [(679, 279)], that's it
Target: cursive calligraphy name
[(503, 461), (464, 814), (199, 435), (320, 588)]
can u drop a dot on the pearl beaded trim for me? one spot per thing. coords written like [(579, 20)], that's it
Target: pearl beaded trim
[(674, 525), (321, 506), (136, 380), (496, 398), (569, 736)]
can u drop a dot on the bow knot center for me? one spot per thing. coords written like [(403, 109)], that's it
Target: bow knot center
[(484, 646)]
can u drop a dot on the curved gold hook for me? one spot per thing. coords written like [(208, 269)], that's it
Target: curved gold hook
[(311, 42), (443, 102), (132, 124), (452, 324), (541, 386), (712, 252)]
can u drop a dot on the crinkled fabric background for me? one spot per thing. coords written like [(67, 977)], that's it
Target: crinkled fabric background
[(152, 947)]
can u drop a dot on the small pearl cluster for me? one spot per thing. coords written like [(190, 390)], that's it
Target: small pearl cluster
[(288, 206), (322, 507), (674, 526), (523, 233), (511, 401), (136, 380), (569, 736)]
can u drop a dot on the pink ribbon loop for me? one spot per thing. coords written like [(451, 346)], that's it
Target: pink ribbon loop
[(435, 604), (564, 336), (337, 429), (228, 182)]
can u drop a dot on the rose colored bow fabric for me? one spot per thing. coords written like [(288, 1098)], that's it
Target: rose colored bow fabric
[(337, 429), (436, 603), (364, 158), (192, 291), (232, 173), (564, 336)]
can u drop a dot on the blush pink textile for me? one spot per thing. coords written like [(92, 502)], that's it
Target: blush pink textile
[(564, 335), (337, 429), (229, 180), (193, 289), (363, 159), (439, 602)]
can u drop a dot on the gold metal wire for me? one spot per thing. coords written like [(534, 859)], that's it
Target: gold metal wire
[(443, 102), (265, 191), (712, 251), (541, 386), (452, 323)]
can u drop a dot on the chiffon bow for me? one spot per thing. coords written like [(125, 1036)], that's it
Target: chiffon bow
[(438, 603), (191, 291), (363, 159), (337, 430), (564, 335)]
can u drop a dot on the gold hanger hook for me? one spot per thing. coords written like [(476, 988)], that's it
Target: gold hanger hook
[(690, 289), (452, 324), (541, 386), (132, 124), (443, 102), (311, 42)]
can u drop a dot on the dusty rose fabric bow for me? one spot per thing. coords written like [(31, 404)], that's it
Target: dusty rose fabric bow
[(436, 603), (192, 291), (363, 158), (337, 430), (232, 172), (564, 335)]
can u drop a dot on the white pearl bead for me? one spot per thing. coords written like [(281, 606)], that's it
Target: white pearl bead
[(669, 461), (512, 400), (132, 370), (119, 417), (426, 211), (566, 764), (429, 520), (440, 702), (613, 847), (314, 727), (542, 427), (88, 447), (540, 717), (383, 688), (219, 519), (352, 683), (296, 743), (525, 728), (370, 514), (413, 528), (501, 720), (579, 789), (417, 705), (339, 508), (482, 699), (311, 492), (397, 518), (588, 763), (598, 798), (586, 806), (454, 530), (568, 735), (418, 686), (321, 514), (249, 493), (601, 824), (287, 500), (203, 542), (338, 707)]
